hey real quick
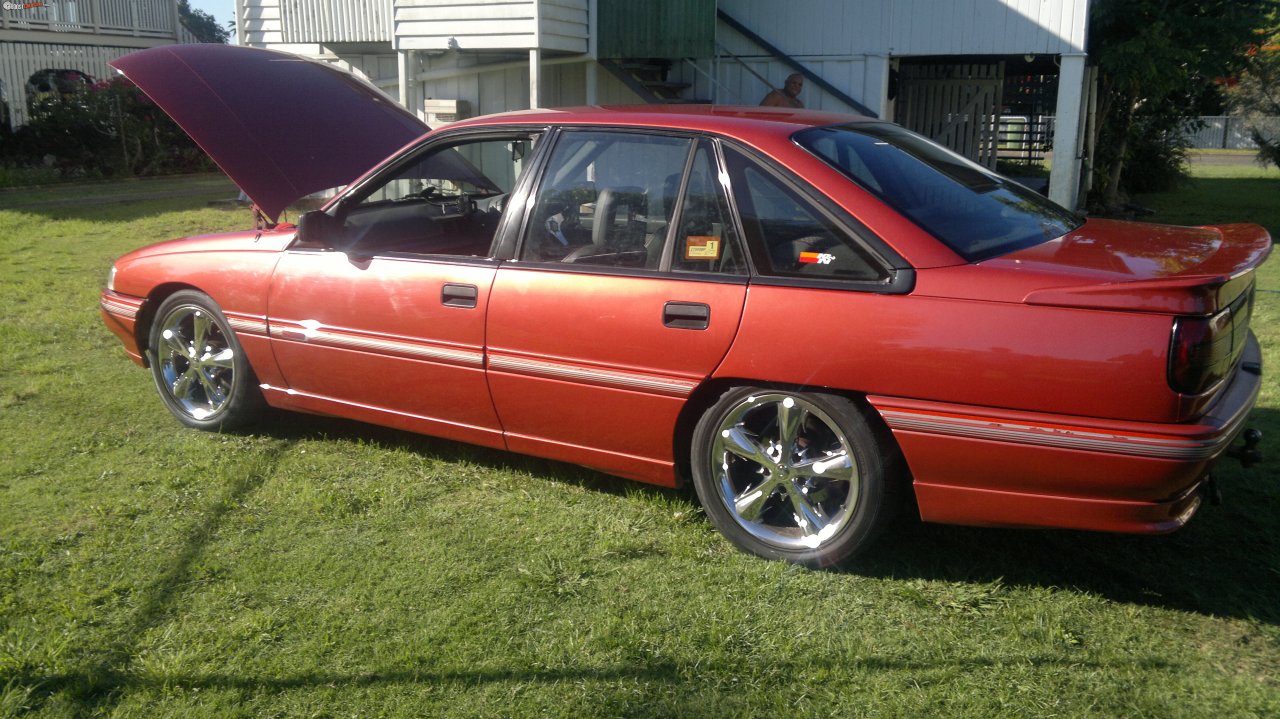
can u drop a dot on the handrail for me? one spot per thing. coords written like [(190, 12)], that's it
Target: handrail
[(726, 51), (810, 75), (139, 18), (711, 78)]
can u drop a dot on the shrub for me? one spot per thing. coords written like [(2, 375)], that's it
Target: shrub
[(109, 129)]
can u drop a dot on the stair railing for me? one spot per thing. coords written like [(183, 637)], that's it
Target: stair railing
[(785, 59), (716, 84)]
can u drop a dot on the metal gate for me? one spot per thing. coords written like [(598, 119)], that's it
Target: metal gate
[(957, 105)]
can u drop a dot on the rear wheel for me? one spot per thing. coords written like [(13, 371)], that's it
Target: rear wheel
[(199, 367), (798, 476)]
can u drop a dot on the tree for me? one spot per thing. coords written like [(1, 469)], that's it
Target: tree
[(1257, 93), (202, 24), (1157, 60)]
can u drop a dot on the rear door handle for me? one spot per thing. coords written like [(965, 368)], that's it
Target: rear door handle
[(454, 295), (686, 315)]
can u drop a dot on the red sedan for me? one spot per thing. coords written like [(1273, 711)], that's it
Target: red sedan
[(809, 316)]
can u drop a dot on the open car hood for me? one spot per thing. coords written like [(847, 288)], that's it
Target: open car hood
[(281, 126)]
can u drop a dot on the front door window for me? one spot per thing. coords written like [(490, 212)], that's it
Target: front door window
[(447, 201)]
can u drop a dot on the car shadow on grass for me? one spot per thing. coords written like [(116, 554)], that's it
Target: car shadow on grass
[(95, 688), (1224, 563)]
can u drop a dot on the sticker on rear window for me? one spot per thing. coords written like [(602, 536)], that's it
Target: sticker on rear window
[(701, 247), (820, 258)]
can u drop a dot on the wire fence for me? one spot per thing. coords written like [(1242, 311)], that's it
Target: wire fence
[(1230, 133)]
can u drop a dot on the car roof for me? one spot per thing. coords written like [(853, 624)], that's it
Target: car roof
[(730, 120)]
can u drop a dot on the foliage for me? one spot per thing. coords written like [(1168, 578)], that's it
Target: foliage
[(1157, 152), (202, 24), (109, 129), (1158, 60), (1268, 149), (1257, 92), (326, 568)]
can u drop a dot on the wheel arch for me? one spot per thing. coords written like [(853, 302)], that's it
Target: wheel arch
[(147, 314)]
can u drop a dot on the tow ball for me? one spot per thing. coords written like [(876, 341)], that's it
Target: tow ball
[(1248, 453)]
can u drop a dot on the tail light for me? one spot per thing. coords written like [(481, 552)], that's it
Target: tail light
[(1204, 349)]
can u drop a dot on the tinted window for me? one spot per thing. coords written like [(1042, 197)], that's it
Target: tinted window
[(977, 213), (797, 238), (607, 199), (705, 239)]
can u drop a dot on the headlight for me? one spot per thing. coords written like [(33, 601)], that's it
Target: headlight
[(111, 279)]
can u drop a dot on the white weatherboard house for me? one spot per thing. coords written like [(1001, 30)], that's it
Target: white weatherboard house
[(984, 77), (78, 35)]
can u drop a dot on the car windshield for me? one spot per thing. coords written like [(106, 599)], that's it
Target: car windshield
[(974, 211)]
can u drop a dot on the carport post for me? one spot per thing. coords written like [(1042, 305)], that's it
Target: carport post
[(1064, 177), (402, 69), (535, 78)]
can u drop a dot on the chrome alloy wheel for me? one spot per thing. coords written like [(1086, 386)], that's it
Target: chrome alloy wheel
[(785, 470), (196, 361)]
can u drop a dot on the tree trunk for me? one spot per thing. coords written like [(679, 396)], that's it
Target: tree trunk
[(1119, 128), (1111, 192)]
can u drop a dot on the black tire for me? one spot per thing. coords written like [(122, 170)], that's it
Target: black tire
[(816, 494), (199, 367)]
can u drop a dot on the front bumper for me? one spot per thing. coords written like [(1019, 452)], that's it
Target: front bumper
[(120, 314), (1017, 469)]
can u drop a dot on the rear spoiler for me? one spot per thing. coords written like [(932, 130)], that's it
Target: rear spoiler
[(1204, 290)]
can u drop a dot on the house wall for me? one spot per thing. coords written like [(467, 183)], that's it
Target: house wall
[(306, 21), (19, 60), (554, 25), (912, 27), (507, 88), (261, 26), (157, 19)]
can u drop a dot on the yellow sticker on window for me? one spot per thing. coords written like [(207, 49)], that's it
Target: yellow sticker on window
[(701, 247)]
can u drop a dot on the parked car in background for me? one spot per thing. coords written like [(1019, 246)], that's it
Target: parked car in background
[(808, 316), (49, 83)]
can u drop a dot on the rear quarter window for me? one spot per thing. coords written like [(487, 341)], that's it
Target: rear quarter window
[(795, 238)]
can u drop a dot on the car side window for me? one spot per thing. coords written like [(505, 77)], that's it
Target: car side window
[(606, 199), (447, 201), (706, 239), (794, 238)]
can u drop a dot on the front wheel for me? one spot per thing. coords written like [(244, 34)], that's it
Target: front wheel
[(200, 369), (798, 476)]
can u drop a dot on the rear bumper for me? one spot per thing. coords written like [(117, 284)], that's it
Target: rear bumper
[(1018, 469)]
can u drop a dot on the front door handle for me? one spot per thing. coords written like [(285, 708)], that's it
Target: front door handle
[(454, 295), (686, 315)]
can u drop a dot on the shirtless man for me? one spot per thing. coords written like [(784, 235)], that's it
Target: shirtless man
[(789, 95)]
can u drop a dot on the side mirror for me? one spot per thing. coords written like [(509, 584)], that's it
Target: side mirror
[(318, 229)]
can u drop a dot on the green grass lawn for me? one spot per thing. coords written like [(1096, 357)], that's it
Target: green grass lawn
[(324, 568)]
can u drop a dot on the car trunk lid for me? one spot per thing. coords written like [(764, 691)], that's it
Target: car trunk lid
[(1147, 268), (280, 125)]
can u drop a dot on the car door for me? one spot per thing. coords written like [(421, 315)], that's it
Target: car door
[(382, 318), (623, 295)]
